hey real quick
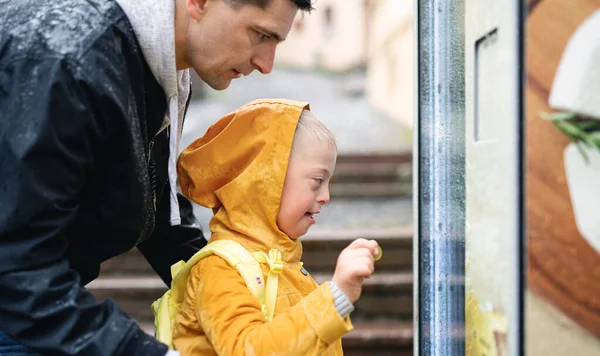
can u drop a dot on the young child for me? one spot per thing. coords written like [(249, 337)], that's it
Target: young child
[(264, 170)]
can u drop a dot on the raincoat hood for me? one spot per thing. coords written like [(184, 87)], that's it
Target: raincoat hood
[(238, 169)]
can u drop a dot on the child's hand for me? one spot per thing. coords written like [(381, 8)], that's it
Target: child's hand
[(354, 264)]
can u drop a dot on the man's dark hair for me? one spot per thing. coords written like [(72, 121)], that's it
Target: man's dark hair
[(303, 5)]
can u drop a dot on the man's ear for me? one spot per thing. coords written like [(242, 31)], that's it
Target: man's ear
[(197, 8)]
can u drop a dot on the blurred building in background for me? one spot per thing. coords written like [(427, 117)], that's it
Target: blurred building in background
[(372, 36)]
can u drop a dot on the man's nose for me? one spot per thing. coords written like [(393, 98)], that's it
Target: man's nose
[(263, 59)]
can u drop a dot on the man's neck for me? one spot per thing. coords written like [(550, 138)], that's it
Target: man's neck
[(181, 26)]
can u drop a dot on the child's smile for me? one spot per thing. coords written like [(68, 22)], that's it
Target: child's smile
[(306, 187)]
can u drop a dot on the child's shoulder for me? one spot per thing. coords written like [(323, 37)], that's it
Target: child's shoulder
[(211, 261)]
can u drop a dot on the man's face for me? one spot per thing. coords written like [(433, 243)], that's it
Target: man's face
[(224, 43)]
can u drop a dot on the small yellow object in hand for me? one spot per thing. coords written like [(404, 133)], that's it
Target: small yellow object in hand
[(378, 255)]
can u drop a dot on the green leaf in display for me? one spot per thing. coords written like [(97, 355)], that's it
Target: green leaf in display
[(584, 132), (558, 116)]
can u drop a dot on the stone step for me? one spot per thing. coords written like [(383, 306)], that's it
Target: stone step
[(372, 338), (370, 175), (386, 295), (360, 214), (321, 249), (374, 159), (367, 190), (373, 168), (379, 338)]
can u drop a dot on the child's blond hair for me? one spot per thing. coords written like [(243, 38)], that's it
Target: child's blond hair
[(309, 124)]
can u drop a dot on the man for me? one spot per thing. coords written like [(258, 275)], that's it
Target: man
[(92, 99)]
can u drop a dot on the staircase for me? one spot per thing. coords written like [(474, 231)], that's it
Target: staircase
[(383, 315)]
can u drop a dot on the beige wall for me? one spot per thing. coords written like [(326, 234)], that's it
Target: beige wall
[(549, 332), (338, 46), (377, 33), (390, 59)]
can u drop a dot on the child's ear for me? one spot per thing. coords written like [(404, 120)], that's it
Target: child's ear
[(197, 8)]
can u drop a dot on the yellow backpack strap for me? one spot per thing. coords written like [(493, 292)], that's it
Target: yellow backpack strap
[(166, 308), (273, 259), (249, 268)]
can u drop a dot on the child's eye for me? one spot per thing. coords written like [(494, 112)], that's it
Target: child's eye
[(319, 181)]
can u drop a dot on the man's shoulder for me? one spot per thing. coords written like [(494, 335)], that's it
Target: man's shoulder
[(54, 28)]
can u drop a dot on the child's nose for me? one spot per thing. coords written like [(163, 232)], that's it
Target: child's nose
[(323, 197)]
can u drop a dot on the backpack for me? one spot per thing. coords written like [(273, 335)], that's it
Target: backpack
[(248, 266)]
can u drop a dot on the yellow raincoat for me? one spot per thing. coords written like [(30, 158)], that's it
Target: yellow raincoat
[(238, 169)]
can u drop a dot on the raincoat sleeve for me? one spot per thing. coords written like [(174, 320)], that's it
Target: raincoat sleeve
[(49, 134), (232, 319), (171, 244)]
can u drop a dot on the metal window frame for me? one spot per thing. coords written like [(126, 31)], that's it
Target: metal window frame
[(439, 185)]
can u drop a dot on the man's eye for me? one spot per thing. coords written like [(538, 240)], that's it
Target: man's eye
[(262, 36)]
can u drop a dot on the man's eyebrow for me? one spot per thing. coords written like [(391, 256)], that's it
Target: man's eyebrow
[(270, 33)]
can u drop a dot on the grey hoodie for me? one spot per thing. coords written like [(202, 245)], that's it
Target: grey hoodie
[(156, 35)]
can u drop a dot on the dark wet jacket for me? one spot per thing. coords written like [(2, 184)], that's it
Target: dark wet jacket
[(83, 175)]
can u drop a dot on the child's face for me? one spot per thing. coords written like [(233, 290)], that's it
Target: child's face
[(306, 186)]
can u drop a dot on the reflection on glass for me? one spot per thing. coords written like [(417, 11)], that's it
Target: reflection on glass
[(441, 190)]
